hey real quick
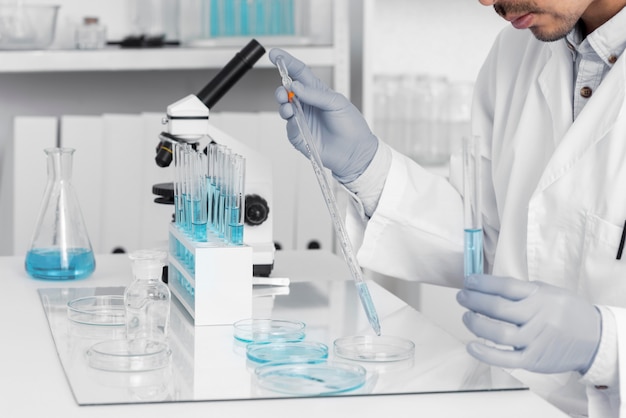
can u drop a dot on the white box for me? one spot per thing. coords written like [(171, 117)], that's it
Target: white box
[(212, 280)]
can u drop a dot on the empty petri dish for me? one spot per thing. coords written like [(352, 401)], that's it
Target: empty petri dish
[(268, 330), (287, 351), (310, 379), (374, 348), (129, 355), (104, 310)]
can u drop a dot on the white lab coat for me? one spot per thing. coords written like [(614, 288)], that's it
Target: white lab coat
[(554, 197)]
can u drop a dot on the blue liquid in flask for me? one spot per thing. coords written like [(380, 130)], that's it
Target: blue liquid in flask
[(473, 251), (47, 264)]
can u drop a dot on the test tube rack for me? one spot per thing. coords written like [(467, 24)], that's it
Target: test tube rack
[(212, 280)]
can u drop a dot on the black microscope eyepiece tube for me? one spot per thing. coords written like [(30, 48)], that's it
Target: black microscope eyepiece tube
[(231, 73)]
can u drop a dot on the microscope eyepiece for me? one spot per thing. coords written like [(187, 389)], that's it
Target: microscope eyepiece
[(231, 73)]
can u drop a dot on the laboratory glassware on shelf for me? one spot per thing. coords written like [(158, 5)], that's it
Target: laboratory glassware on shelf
[(224, 21), (472, 206), (331, 202), (423, 116), (60, 248), (91, 34)]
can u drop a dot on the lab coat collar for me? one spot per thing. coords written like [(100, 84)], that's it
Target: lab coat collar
[(595, 120)]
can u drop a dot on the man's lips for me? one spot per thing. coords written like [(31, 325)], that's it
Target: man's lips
[(522, 22)]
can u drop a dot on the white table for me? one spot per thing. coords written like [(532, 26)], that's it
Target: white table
[(32, 380)]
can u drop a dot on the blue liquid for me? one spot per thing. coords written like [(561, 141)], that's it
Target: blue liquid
[(46, 264), (198, 226), (236, 234), (473, 251), (368, 305)]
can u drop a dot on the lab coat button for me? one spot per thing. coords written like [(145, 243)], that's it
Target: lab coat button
[(612, 59), (586, 92)]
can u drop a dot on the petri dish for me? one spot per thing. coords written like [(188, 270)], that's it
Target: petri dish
[(287, 351), (129, 355), (310, 379), (268, 330), (103, 310), (374, 348)]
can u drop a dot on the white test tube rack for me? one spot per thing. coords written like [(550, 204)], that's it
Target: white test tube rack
[(212, 280)]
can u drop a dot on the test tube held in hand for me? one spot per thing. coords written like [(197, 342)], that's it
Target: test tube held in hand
[(473, 235)]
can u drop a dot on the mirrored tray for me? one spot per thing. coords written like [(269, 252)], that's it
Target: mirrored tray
[(207, 363)]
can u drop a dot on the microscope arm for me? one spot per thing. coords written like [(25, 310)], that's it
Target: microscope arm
[(187, 119)]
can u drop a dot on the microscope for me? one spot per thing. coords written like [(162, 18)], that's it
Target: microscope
[(187, 121)]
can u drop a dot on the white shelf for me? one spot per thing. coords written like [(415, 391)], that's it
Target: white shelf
[(134, 59)]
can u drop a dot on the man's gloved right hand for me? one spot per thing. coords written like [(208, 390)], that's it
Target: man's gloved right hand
[(344, 140)]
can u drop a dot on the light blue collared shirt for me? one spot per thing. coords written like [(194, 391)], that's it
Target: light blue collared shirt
[(594, 56)]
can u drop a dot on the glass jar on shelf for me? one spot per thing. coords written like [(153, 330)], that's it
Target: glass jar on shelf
[(91, 34)]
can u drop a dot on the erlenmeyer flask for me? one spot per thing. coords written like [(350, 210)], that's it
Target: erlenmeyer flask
[(60, 248)]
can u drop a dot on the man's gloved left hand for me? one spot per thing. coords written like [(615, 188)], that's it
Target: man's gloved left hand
[(548, 329)]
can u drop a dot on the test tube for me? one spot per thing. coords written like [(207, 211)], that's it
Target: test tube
[(224, 179), (177, 194), (186, 189), (215, 187), (210, 182), (198, 197), (473, 253), (235, 207)]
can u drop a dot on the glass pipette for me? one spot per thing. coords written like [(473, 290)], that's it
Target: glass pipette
[(331, 203)]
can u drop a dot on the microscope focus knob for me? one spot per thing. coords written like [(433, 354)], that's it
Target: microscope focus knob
[(257, 210)]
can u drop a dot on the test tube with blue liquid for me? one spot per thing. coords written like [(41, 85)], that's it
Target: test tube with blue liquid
[(236, 200), (178, 205), (215, 151), (198, 198), (225, 179), (216, 184), (473, 252)]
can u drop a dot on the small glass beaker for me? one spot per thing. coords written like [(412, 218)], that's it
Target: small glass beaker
[(60, 248)]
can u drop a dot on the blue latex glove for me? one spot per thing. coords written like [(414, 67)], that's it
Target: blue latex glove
[(548, 329), (343, 139)]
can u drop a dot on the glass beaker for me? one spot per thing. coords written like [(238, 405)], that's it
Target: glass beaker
[(60, 248)]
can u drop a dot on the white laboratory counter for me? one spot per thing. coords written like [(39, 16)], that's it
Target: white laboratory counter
[(33, 382)]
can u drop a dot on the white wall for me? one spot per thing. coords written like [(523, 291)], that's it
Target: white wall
[(450, 37)]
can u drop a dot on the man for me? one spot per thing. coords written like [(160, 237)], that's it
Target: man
[(550, 111)]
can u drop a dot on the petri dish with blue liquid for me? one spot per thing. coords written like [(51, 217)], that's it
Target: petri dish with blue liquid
[(268, 330), (311, 379), (287, 351)]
